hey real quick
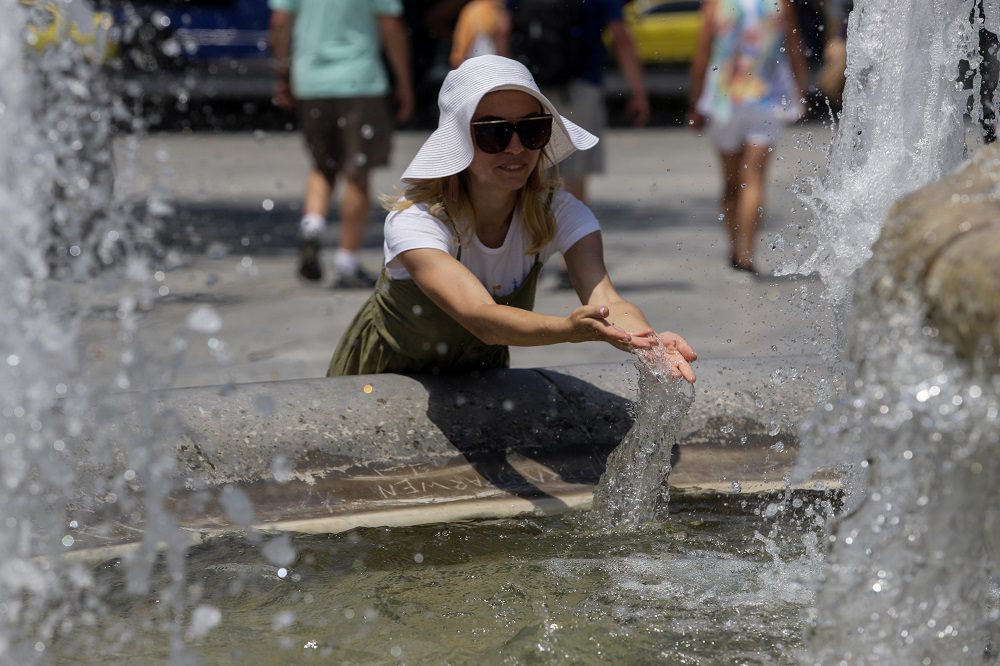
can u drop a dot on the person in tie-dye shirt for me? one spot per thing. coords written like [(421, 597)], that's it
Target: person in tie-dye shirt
[(748, 79)]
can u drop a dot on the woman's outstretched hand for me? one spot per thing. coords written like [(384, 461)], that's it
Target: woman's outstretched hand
[(589, 322), (670, 349)]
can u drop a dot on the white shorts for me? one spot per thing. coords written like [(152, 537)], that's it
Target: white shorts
[(745, 128)]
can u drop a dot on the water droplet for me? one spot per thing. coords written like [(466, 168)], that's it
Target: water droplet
[(264, 405), (281, 469), (204, 319), (279, 551), (237, 505), (282, 620), (204, 618)]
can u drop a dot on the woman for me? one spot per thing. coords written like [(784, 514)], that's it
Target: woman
[(754, 89), (466, 241), (479, 30)]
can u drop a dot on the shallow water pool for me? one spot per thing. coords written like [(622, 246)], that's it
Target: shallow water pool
[(714, 582)]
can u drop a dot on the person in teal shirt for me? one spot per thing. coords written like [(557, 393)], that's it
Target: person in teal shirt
[(329, 66)]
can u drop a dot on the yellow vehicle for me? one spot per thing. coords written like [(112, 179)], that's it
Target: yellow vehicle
[(665, 31), (53, 22)]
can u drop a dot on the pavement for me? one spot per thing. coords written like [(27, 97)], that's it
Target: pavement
[(228, 307)]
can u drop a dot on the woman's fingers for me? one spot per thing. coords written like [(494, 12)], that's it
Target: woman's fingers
[(591, 323), (674, 341), (679, 366), (673, 362)]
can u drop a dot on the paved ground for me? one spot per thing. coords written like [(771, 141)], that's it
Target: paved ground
[(230, 205)]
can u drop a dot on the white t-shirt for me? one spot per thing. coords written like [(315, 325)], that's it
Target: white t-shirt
[(500, 269)]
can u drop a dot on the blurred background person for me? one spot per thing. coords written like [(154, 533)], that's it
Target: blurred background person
[(562, 45), (831, 77), (431, 24), (329, 64), (481, 28), (748, 81)]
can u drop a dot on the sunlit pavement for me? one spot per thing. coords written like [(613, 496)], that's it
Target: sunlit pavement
[(230, 204)]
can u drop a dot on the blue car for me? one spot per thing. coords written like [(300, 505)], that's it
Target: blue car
[(191, 50)]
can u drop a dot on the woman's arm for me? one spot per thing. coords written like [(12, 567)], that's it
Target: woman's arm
[(699, 65), (453, 288), (585, 263), (395, 44), (796, 59), (630, 67), (282, 23)]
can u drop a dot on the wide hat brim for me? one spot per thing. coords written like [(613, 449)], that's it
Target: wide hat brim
[(449, 150)]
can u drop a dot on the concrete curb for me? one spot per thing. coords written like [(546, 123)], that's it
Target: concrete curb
[(326, 455), (236, 433)]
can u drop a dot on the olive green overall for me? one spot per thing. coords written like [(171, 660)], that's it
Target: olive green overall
[(399, 329)]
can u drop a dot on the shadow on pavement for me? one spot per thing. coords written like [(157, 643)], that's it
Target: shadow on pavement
[(580, 453), (219, 228)]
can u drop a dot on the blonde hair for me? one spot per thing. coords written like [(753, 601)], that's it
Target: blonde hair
[(447, 198)]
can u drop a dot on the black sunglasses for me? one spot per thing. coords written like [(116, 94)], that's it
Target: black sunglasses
[(493, 136)]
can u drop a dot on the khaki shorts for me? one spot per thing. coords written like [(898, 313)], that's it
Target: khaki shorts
[(582, 103), (346, 136)]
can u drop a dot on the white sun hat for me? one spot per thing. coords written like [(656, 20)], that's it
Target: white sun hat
[(448, 150)]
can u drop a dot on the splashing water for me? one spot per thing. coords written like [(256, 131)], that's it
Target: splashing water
[(914, 562), (912, 576), (65, 239), (901, 127), (633, 489)]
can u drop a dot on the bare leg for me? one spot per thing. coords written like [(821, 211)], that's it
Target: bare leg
[(731, 179), (750, 208), (319, 189), (353, 212)]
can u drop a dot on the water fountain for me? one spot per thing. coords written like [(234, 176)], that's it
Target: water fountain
[(65, 240), (727, 575), (912, 572)]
